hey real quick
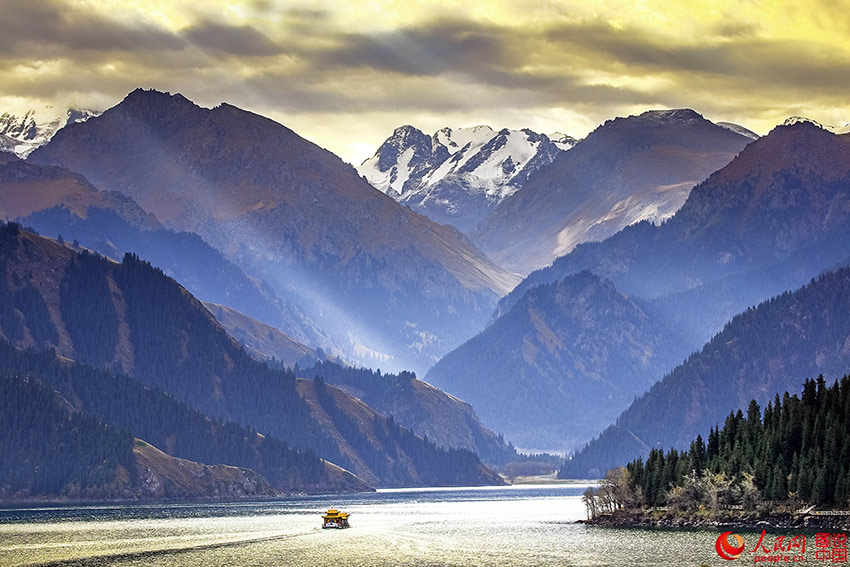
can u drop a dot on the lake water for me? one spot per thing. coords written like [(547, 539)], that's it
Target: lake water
[(519, 526)]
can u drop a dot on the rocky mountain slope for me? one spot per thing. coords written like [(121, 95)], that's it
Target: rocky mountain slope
[(385, 282), (457, 176), (382, 452), (760, 354), (27, 188), (416, 405), (627, 170), (561, 364)]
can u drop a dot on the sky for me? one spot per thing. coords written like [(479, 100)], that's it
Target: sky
[(345, 74)]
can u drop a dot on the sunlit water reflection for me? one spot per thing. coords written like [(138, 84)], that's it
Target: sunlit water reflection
[(522, 526)]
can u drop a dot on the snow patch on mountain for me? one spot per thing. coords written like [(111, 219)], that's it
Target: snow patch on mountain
[(456, 176), (738, 129), (562, 140), (843, 129), (23, 134)]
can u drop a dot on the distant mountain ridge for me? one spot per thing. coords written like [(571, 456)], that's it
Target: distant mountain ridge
[(627, 170), (29, 188), (263, 342), (376, 276), (456, 176), (770, 220), (561, 364), (761, 353), (774, 217)]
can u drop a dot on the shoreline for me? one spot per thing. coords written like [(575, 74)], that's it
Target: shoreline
[(747, 521), (551, 478)]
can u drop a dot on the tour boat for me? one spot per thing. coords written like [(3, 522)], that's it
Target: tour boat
[(335, 519)]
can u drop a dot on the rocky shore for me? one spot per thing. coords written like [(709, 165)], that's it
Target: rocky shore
[(724, 520)]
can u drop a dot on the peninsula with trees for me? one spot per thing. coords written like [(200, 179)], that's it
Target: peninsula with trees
[(788, 466)]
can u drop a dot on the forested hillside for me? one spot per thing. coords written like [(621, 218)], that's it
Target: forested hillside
[(46, 448), (798, 451), (174, 427), (130, 317)]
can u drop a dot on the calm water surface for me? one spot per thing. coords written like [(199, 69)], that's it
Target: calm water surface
[(521, 526)]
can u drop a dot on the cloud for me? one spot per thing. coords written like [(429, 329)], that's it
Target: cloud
[(313, 61), (240, 40), (432, 48), (47, 25), (750, 61)]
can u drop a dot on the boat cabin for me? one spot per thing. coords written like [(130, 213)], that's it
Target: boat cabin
[(335, 519)]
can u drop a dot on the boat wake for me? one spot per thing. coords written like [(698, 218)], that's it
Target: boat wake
[(109, 558)]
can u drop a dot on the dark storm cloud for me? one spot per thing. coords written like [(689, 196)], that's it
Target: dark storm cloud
[(233, 40), (40, 25)]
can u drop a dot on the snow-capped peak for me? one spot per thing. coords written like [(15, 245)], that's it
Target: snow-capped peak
[(23, 134), (457, 139), (675, 114), (738, 129), (438, 175), (790, 121)]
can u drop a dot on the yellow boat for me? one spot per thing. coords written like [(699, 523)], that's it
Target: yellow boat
[(335, 519)]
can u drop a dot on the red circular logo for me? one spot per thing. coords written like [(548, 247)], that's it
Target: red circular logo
[(726, 550)]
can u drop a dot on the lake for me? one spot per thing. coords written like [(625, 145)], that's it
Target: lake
[(527, 525)]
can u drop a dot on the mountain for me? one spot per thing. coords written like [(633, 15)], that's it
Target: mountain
[(57, 202), (26, 188), (35, 465), (427, 411), (130, 317), (381, 451), (457, 176), (561, 364), (843, 129), (263, 342), (386, 283), (627, 170), (51, 451), (420, 407), (765, 351), (773, 218), (183, 433), (738, 129), (23, 134)]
